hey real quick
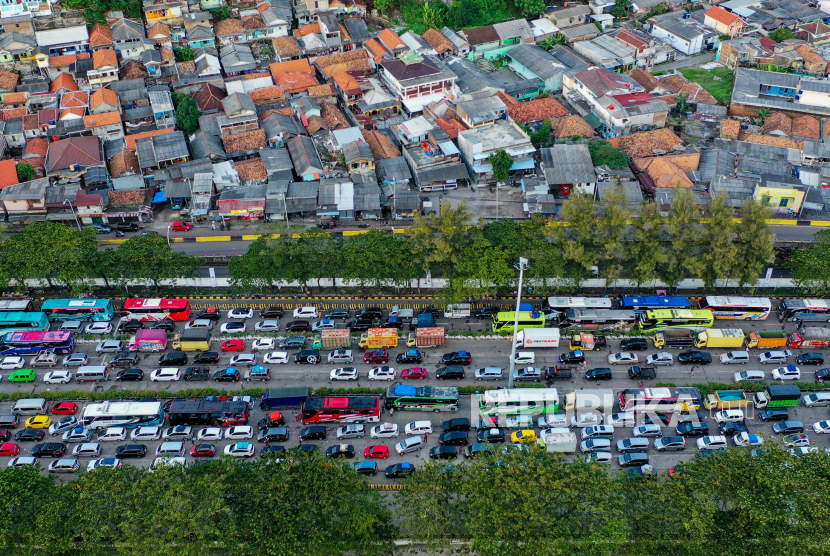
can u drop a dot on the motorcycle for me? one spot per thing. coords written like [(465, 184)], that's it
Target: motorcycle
[(119, 233)]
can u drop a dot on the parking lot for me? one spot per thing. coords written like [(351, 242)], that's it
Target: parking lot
[(484, 353)]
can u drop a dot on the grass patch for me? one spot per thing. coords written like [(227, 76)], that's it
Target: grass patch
[(721, 90)]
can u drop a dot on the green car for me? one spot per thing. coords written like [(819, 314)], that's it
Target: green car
[(23, 375)]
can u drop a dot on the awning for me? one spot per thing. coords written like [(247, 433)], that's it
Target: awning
[(60, 216), (524, 165), (122, 215), (159, 197)]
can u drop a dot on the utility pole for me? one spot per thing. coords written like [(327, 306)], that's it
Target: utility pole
[(522, 266)]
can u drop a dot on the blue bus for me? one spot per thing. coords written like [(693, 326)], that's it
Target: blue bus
[(59, 310), (24, 322), (647, 302)]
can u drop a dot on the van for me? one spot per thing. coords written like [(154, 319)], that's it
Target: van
[(411, 444), (200, 323), (734, 357), (818, 399), (9, 421), (598, 431), (92, 373), (170, 449), (30, 406), (72, 326), (634, 444)]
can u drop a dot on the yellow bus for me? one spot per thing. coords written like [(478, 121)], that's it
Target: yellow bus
[(693, 319), (527, 319)]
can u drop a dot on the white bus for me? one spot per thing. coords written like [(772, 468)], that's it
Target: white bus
[(519, 401), (805, 310), (745, 308), (122, 414)]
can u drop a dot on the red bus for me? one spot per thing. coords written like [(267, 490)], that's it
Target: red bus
[(341, 409), (156, 309)]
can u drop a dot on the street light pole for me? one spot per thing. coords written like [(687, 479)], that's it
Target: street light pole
[(75, 214), (522, 266), (168, 234)]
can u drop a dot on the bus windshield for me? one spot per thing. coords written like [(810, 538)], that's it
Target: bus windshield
[(527, 319), (58, 310), (742, 308), (427, 398)]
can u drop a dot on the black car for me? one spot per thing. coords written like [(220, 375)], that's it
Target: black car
[(634, 344), (173, 359), (270, 422), (409, 356), (360, 324), (633, 459), (399, 470), (273, 311), (227, 375), (491, 435), (443, 452), (30, 435), (692, 429), (371, 313), (776, 414), (458, 424), (732, 428), (275, 434), (310, 356), (207, 357), (125, 359), (810, 359), (164, 324), (788, 427), (572, 357), (450, 372), (131, 326), (131, 451), (337, 313), (210, 313), (135, 375), (272, 450), (49, 450), (661, 419), (340, 451), (699, 357), (642, 373), (598, 374), (822, 375), (295, 342), (458, 358), (313, 433), (454, 438), (486, 312), (298, 326), (127, 227), (196, 373), (392, 322), (304, 448)]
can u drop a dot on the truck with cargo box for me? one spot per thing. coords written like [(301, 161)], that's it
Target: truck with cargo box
[(275, 398), (726, 399), (192, 339), (766, 339), (778, 395), (457, 311), (719, 338), (379, 338), (427, 338), (148, 339), (538, 338), (676, 338), (810, 337), (332, 338), (560, 440)]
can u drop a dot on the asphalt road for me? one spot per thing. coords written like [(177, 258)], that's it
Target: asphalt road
[(485, 353)]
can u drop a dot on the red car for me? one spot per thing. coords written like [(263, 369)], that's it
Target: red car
[(65, 408), (376, 356), (203, 451), (9, 449), (376, 452), (414, 372), (5, 434), (233, 345), (181, 227)]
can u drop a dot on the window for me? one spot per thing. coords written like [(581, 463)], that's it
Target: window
[(784, 203)]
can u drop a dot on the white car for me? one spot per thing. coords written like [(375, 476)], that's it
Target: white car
[(244, 432), (112, 434), (418, 427), (241, 313), (341, 355), (325, 324), (209, 434), (44, 360), (382, 373), (305, 313), (712, 443), (746, 439), (87, 450), (663, 358), (23, 460), (165, 374), (76, 360), (386, 430), (78, 434), (179, 432), (748, 376), (821, 427), (799, 451), (623, 358), (519, 422), (276, 357), (243, 360), (585, 420), (553, 420), (647, 430), (351, 431), (64, 465), (775, 356), (729, 416), (98, 328), (599, 457), (790, 372), (525, 358), (146, 434), (267, 326), (57, 377), (234, 327), (264, 344), (624, 419), (103, 462), (12, 363), (343, 373), (240, 450)]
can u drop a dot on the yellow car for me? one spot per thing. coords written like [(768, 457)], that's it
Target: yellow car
[(523, 437), (38, 422)]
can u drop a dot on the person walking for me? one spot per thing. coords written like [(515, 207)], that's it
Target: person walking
[(692, 371), (426, 438)]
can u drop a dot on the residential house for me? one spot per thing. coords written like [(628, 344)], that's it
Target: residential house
[(472, 81), (542, 30), (649, 143), (22, 24), (105, 68), (64, 40), (133, 69), (568, 168), (207, 145), (481, 112), (685, 34), (162, 104), (476, 146), (104, 100), (307, 163), (35, 154), (782, 199), (394, 174), (25, 202), (286, 48), (649, 83), (570, 127), (8, 173), (533, 113), (74, 105), (532, 62), (8, 82), (438, 165), (128, 38), (816, 32), (679, 85), (811, 61), (161, 151), (74, 156), (239, 115), (16, 47), (106, 125), (381, 144), (569, 16), (245, 144), (392, 43), (330, 31), (607, 52), (670, 170), (460, 45), (649, 49), (744, 51), (100, 37), (441, 44), (358, 156), (251, 171), (276, 21), (229, 31), (200, 36), (237, 59), (207, 65), (25, 8), (245, 203), (156, 11), (492, 41), (152, 61), (279, 128), (278, 164), (796, 95), (726, 23), (418, 81), (13, 133), (579, 33)]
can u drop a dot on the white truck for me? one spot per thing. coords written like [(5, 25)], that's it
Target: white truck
[(534, 338), (457, 311), (601, 400), (560, 440)]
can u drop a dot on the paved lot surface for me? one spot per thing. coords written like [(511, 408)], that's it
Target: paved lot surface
[(485, 353)]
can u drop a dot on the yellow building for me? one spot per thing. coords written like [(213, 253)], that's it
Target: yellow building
[(779, 199)]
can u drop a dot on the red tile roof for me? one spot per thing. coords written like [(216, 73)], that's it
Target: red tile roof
[(36, 146), (65, 60), (390, 39), (8, 173), (103, 95), (101, 35), (290, 66), (296, 82), (75, 99), (15, 98), (8, 80), (722, 16), (104, 57), (229, 27), (244, 142), (310, 29), (131, 139), (537, 110), (12, 113), (105, 118), (634, 41)]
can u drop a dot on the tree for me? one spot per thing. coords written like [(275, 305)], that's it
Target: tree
[(782, 34), (501, 162), (660, 8), (385, 5), (441, 239), (682, 105), (187, 112), (646, 251), (603, 154), (184, 54), (579, 241), (763, 115), (260, 266), (718, 254), (25, 172), (611, 227), (223, 12), (811, 265), (483, 268), (684, 233), (620, 8), (530, 7), (754, 242), (376, 257), (540, 137), (149, 258), (552, 41)]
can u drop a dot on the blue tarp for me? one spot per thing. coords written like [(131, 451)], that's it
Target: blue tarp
[(160, 197), (405, 390)]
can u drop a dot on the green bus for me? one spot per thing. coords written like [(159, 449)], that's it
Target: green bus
[(696, 320), (503, 322), (424, 398), (519, 401)]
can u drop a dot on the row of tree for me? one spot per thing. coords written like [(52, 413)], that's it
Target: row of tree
[(522, 503)]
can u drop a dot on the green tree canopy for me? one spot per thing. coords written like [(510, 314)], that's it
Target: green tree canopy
[(25, 172), (223, 12), (184, 54), (149, 258), (754, 242), (603, 154), (782, 34), (187, 112), (811, 265), (718, 255), (501, 162), (530, 7)]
